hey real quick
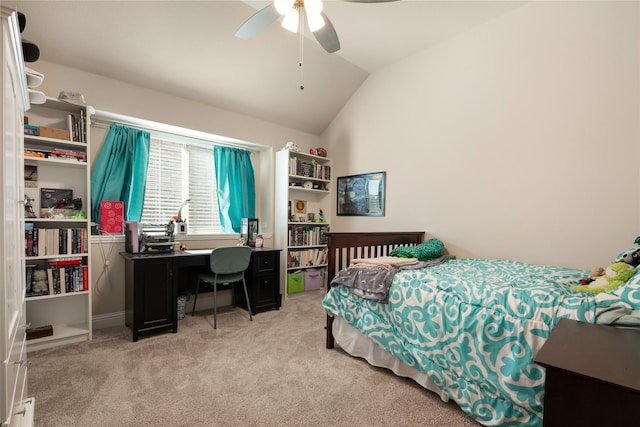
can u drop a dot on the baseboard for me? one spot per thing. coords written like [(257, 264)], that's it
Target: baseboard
[(205, 302), (108, 320)]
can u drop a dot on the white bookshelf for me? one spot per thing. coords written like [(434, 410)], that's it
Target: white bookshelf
[(301, 237), (69, 311)]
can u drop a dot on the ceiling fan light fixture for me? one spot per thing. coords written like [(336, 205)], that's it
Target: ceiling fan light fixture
[(283, 6), (315, 21), (313, 7), (290, 20)]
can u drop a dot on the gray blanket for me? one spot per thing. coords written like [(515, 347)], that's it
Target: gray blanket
[(373, 283), (618, 316)]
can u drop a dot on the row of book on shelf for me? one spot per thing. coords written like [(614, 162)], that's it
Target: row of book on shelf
[(309, 169), (77, 126), (54, 241), (76, 129), (56, 153), (302, 235), (307, 258), (60, 277)]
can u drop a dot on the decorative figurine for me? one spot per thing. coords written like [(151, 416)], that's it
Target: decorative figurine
[(28, 208), (291, 146), (39, 284), (321, 217)]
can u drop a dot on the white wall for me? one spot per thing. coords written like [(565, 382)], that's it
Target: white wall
[(122, 98), (117, 97), (518, 139)]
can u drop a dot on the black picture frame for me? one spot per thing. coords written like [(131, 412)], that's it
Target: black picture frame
[(249, 231), (361, 195)]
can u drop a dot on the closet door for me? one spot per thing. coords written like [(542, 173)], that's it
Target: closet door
[(12, 294)]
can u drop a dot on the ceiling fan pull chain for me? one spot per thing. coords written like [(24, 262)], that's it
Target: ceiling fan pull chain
[(301, 53)]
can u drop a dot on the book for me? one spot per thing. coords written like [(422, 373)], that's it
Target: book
[(85, 278), (29, 239), (30, 268)]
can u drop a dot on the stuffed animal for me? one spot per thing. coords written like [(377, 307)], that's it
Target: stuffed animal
[(39, 282), (596, 272), (617, 274), (291, 146), (631, 257)]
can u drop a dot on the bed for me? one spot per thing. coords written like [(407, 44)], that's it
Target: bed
[(466, 329)]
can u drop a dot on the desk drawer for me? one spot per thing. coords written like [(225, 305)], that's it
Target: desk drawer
[(265, 262)]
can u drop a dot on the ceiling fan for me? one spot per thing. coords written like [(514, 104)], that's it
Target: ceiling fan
[(294, 12)]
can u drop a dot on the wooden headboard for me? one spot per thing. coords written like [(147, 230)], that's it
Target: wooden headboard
[(343, 247)]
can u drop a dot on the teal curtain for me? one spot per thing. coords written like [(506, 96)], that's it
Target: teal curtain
[(236, 186), (120, 171)]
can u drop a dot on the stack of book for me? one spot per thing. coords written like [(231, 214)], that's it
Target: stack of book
[(301, 235), (54, 241), (67, 275), (307, 258), (77, 126)]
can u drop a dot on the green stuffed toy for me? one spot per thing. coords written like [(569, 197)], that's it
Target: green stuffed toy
[(615, 275)]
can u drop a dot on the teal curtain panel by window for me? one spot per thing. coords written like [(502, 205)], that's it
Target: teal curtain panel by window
[(120, 171), (236, 186)]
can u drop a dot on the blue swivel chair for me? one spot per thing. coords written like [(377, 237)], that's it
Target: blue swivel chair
[(228, 264)]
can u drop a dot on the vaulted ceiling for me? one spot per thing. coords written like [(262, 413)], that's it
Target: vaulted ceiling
[(188, 48)]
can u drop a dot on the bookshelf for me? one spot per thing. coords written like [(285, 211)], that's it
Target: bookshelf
[(57, 226), (303, 183)]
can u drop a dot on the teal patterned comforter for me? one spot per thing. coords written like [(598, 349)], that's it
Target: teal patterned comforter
[(474, 326)]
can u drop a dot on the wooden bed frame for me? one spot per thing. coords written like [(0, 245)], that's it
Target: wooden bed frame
[(343, 247)]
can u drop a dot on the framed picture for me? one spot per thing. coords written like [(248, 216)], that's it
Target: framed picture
[(300, 206), (30, 176), (249, 231), (361, 195)]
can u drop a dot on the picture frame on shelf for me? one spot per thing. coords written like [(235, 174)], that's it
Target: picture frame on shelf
[(361, 195), (30, 176), (300, 206)]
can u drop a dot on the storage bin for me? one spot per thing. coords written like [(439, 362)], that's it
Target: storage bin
[(54, 133), (313, 279), (295, 282)]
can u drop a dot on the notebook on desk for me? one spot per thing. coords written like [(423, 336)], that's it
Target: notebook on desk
[(198, 251)]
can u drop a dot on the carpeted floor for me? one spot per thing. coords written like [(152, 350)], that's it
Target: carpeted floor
[(274, 371)]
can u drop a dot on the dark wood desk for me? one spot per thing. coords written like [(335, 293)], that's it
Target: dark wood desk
[(154, 281), (593, 375)]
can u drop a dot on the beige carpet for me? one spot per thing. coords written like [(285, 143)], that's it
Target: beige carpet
[(274, 371)]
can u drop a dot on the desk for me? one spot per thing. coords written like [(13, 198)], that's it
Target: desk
[(153, 282), (593, 375)]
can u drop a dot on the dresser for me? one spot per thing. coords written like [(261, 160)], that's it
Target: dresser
[(154, 281), (593, 375)]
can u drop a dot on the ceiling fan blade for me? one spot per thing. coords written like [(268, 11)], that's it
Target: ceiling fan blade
[(258, 22), (327, 36)]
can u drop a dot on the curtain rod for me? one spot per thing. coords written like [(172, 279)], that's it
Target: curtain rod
[(105, 119)]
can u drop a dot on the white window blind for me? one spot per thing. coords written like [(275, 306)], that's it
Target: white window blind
[(179, 171), (203, 207)]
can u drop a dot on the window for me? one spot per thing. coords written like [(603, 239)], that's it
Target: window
[(180, 171), (181, 167)]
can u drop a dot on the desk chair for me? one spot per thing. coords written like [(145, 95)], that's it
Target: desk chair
[(228, 264)]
